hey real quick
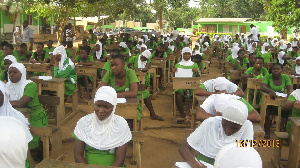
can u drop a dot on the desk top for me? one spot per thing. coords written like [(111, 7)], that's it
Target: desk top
[(130, 101), (295, 120), (49, 163), (57, 80)]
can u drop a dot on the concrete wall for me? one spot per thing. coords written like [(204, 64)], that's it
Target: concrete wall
[(152, 25)]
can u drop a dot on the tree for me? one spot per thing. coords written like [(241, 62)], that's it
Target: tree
[(284, 14), (183, 16)]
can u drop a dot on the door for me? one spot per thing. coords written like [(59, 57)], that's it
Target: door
[(243, 29), (234, 30)]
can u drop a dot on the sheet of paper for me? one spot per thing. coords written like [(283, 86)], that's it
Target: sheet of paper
[(45, 77), (187, 73), (281, 94), (186, 165), (121, 100)]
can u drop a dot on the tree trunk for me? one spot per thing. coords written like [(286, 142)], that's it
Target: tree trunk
[(160, 20)]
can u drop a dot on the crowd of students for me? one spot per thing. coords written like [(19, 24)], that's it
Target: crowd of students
[(102, 137)]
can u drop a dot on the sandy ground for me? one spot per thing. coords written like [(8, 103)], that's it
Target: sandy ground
[(162, 138)]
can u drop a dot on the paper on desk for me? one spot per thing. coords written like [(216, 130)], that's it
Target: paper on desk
[(186, 165), (187, 73), (45, 77), (281, 94), (121, 100), (295, 76)]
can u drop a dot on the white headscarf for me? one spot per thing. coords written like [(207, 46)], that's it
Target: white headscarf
[(13, 143), (296, 94), (250, 48), (184, 62), (280, 55), (142, 64), (7, 110), (15, 90), (234, 51), (62, 51), (205, 48), (221, 100), (99, 53), (234, 156), (146, 38), (197, 44), (210, 136), (274, 44), (107, 134), (294, 43), (11, 58), (297, 68), (171, 46), (143, 46), (220, 83), (282, 45), (263, 50), (123, 44), (289, 49)]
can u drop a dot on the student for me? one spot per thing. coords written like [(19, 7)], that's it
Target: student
[(296, 67), (214, 105), (233, 155), (125, 51), (236, 39), (7, 50), (217, 86), (151, 44), (295, 42), (197, 48), (24, 93), (282, 59), (22, 54), (294, 53), (272, 83), (8, 60), (258, 71), (252, 48), (3, 43), (197, 58), (84, 45), (107, 65), (205, 46), (227, 50), (171, 45), (39, 56), (49, 49), (142, 62), (97, 52), (216, 132), (92, 37), (167, 49), (240, 62), (83, 80), (185, 63), (292, 103), (159, 53), (138, 46), (101, 138), (64, 68), (281, 46), (69, 54), (178, 44), (274, 42), (265, 54), (252, 58), (288, 48), (269, 40)]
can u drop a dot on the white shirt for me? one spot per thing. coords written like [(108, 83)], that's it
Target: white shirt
[(27, 35), (254, 31), (67, 36), (175, 34)]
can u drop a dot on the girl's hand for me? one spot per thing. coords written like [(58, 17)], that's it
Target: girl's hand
[(297, 105), (174, 69), (272, 95), (195, 70), (198, 165)]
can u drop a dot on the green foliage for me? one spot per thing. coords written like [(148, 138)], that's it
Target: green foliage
[(291, 39)]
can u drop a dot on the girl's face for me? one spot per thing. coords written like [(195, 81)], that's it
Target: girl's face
[(14, 75), (259, 64), (204, 46), (7, 51), (171, 43), (230, 127), (84, 43), (252, 59), (103, 109), (58, 57), (266, 48), (143, 49), (23, 49), (83, 54), (117, 66), (276, 70), (140, 42), (7, 63), (298, 62), (254, 45), (39, 48), (197, 47), (97, 47), (241, 54), (159, 48), (187, 56), (143, 58)]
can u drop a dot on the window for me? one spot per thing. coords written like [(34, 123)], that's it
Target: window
[(29, 19)]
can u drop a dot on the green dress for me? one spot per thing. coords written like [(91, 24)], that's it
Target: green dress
[(126, 53), (267, 56), (295, 113), (289, 53), (90, 41), (165, 55), (20, 57), (178, 46), (285, 82), (49, 51), (153, 46), (2, 61), (38, 116), (68, 73), (233, 61), (109, 79), (69, 54)]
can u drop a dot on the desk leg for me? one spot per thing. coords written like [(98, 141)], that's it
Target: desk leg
[(154, 85), (278, 123), (61, 113), (293, 161), (263, 111), (94, 85)]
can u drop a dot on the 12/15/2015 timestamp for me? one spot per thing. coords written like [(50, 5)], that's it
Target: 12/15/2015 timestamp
[(258, 143)]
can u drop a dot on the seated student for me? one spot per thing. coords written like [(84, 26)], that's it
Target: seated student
[(22, 54), (171, 45), (159, 53), (282, 59), (160, 41), (142, 62), (84, 45), (265, 54), (142, 49), (64, 68), (269, 40), (252, 48), (205, 46), (214, 105), (111, 40), (272, 83), (292, 103), (151, 44), (8, 60), (288, 48), (216, 132), (97, 52), (83, 80), (131, 45), (24, 93), (185, 63), (107, 65), (235, 156), (39, 56), (7, 50), (138, 46), (178, 44), (295, 42), (236, 39), (69, 54), (294, 53), (13, 144), (226, 49), (281, 46), (92, 37), (296, 67), (217, 86), (49, 49), (167, 49), (197, 58), (101, 138), (238, 59), (252, 58), (274, 43), (125, 51), (2, 44)]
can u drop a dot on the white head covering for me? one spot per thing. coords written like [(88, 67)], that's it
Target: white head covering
[(297, 68), (7, 110), (221, 84), (141, 40), (171, 46), (221, 100), (234, 51), (107, 134), (11, 58), (250, 47), (294, 43), (99, 53), (235, 44), (15, 90), (197, 44), (142, 64), (62, 51), (13, 143), (197, 53), (205, 48), (143, 46), (296, 94), (234, 156), (289, 49), (274, 44), (280, 57), (184, 62), (282, 45), (123, 44), (146, 38), (263, 50), (235, 111)]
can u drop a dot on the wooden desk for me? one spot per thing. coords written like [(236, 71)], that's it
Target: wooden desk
[(88, 71), (293, 159), (141, 76), (99, 64), (25, 112), (58, 86), (295, 80), (128, 110), (38, 67), (49, 163), (161, 64), (266, 100)]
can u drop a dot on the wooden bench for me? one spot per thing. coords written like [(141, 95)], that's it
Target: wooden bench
[(253, 84), (276, 159)]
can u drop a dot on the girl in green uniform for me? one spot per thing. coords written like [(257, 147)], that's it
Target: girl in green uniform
[(7, 50), (92, 37), (292, 103), (8, 60), (22, 54), (198, 59), (125, 51), (39, 56), (101, 138), (238, 59), (185, 63), (296, 67), (64, 68), (272, 83), (84, 45), (282, 59), (98, 53), (151, 44), (294, 53), (49, 49), (281, 46), (171, 45), (24, 93), (265, 54)]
